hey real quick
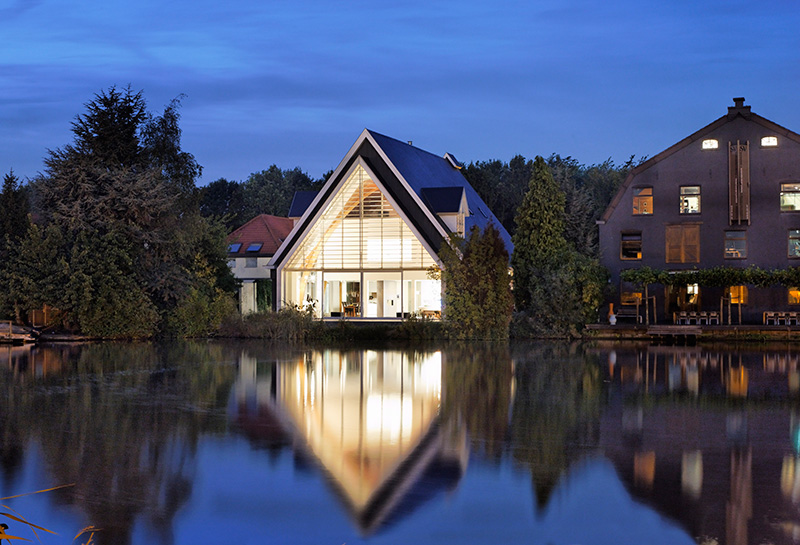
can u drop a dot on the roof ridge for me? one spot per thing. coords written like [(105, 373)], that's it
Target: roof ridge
[(408, 143)]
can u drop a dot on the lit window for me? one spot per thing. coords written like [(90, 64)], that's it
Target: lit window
[(631, 246), (769, 141), (630, 298), (235, 247), (790, 197), (254, 246), (642, 201), (692, 294), (738, 295), (735, 244), (794, 295), (794, 242), (710, 143), (251, 262), (690, 199)]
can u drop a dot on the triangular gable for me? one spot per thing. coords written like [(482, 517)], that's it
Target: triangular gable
[(733, 114), (382, 237), (428, 227)]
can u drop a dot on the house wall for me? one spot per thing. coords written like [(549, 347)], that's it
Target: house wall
[(767, 233), (242, 272)]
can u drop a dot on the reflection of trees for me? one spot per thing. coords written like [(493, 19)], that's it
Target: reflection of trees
[(121, 421), (555, 411), (478, 389)]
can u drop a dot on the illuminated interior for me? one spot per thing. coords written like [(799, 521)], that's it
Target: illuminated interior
[(360, 259), (642, 201), (362, 413)]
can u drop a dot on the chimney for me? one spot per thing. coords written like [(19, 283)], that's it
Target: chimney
[(738, 108)]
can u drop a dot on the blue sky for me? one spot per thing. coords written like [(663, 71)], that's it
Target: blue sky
[(293, 83)]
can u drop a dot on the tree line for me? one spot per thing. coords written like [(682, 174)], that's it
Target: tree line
[(116, 235)]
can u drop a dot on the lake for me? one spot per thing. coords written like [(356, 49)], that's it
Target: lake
[(536, 443)]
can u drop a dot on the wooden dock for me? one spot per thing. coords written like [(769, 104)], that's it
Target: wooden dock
[(11, 334), (671, 331)]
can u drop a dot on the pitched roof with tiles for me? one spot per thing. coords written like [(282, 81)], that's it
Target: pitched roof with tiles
[(268, 231)]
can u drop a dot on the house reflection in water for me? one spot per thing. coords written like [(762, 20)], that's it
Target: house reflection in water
[(716, 446), (371, 419)]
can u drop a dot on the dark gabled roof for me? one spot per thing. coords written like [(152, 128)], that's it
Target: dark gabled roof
[(734, 112), (300, 202), (424, 170), (417, 171), (443, 200), (268, 231)]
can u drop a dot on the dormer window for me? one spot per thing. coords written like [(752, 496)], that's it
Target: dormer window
[(710, 143), (769, 142)]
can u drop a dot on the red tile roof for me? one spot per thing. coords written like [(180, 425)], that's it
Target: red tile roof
[(265, 229)]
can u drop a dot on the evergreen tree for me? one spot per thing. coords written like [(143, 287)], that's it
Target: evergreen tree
[(539, 243), (478, 300), (36, 272), (123, 193), (14, 209), (556, 288)]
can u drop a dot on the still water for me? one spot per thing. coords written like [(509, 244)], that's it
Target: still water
[(546, 443)]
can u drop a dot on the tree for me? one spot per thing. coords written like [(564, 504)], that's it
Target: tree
[(36, 272), (539, 243), (271, 191), (123, 195), (478, 300), (556, 288), (225, 200), (14, 209)]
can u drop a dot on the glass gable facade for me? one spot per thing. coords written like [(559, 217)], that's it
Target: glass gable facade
[(361, 260)]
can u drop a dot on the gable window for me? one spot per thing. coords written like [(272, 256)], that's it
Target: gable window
[(790, 197), (794, 242), (690, 199), (710, 143), (738, 295), (769, 142), (683, 243), (735, 244), (642, 201), (630, 246)]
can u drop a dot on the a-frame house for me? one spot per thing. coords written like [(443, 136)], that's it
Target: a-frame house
[(362, 247)]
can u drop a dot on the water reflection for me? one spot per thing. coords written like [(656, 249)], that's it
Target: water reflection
[(707, 436), (111, 419), (562, 442), (370, 418)]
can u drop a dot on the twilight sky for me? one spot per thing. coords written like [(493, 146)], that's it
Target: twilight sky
[(293, 82)]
